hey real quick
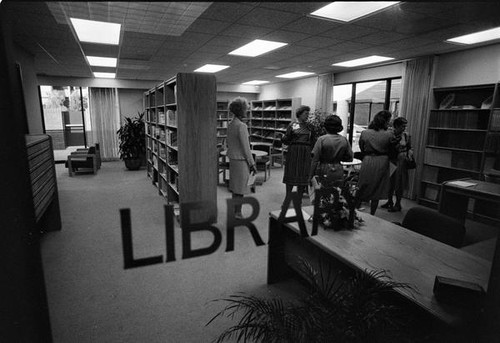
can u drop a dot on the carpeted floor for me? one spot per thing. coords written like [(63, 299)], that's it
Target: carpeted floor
[(92, 298)]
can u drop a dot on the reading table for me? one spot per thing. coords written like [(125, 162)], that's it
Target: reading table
[(378, 244)]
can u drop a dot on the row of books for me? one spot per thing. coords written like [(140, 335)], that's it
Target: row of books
[(171, 118), (172, 138), (459, 119), (456, 139)]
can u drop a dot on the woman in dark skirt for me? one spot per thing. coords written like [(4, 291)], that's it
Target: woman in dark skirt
[(300, 141)]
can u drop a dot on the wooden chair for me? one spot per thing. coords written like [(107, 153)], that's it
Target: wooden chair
[(435, 225), (263, 163), (83, 159), (97, 151), (277, 151), (222, 167)]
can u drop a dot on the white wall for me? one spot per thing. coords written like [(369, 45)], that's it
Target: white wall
[(30, 90), (131, 102), (302, 88), (469, 67), (369, 74), (93, 82)]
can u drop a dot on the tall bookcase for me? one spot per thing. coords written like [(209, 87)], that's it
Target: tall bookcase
[(222, 121), (462, 137), (270, 118), (181, 141)]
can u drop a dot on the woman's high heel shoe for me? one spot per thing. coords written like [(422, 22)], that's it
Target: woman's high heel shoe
[(387, 205), (395, 208)]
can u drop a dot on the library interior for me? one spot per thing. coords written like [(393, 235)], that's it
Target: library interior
[(250, 171)]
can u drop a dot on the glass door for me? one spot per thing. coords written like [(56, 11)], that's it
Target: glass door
[(66, 118)]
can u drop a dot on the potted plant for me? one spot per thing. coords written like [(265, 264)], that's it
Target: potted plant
[(336, 309), (132, 138)]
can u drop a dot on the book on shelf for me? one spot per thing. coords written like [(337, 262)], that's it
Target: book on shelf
[(161, 117), (171, 118), (162, 135), (163, 153), (172, 138)]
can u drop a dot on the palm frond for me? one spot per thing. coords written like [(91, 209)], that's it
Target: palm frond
[(336, 310)]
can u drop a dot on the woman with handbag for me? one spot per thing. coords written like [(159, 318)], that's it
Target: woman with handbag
[(376, 144), (328, 152), (402, 161)]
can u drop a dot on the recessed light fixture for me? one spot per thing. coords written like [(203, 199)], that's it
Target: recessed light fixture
[(346, 11), (101, 61), (105, 75), (211, 68), (100, 32), (295, 74), (255, 82), (363, 61), (477, 37), (257, 47)]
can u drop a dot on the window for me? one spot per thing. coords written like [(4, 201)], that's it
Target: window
[(357, 103)]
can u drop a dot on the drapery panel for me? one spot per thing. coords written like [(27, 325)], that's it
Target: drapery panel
[(415, 104), (105, 119), (324, 93)]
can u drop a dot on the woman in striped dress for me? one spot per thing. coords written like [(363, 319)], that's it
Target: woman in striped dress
[(300, 141)]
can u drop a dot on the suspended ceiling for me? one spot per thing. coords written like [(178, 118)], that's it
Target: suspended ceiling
[(160, 39)]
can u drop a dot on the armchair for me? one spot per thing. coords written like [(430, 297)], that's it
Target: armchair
[(84, 159)]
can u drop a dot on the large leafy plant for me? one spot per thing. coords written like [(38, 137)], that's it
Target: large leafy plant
[(132, 138), (356, 309)]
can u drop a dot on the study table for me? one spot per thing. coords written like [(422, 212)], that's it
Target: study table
[(455, 196), (381, 245), (257, 153)]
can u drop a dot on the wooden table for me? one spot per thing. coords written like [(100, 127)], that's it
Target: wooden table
[(454, 198), (408, 256), (351, 166), (257, 153)]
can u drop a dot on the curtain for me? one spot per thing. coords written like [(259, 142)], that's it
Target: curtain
[(105, 120), (324, 93), (415, 105)]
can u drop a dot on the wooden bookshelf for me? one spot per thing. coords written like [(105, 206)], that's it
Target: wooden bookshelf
[(222, 121), (181, 139), (43, 182), (269, 119), (461, 139)]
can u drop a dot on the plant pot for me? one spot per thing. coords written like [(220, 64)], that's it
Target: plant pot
[(133, 163)]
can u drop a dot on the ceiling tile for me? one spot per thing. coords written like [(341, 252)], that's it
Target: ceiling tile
[(208, 26), (310, 25), (286, 36), (226, 11), (264, 17), (318, 42), (303, 8), (349, 31), (248, 31)]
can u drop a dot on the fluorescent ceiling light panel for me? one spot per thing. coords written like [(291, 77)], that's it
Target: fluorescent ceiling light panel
[(295, 74), (363, 61), (211, 68), (101, 61), (255, 82), (477, 37), (346, 11), (257, 47), (105, 75), (100, 32)]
